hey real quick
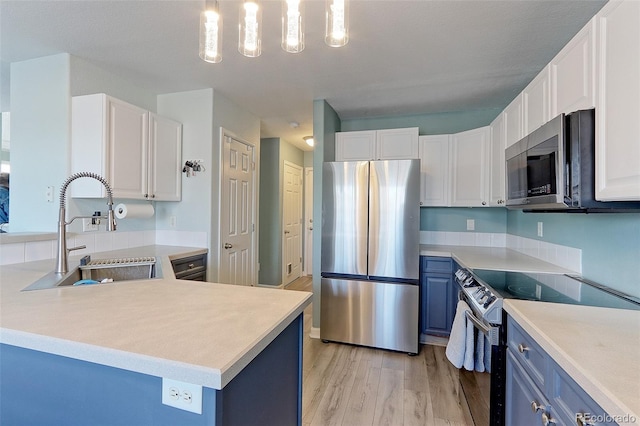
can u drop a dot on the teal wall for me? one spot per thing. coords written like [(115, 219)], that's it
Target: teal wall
[(610, 243), (325, 125), (273, 153), (428, 124), (452, 219)]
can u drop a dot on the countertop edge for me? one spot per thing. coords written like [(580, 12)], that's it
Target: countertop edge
[(607, 400)]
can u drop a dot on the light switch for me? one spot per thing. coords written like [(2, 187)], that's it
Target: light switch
[(471, 224)]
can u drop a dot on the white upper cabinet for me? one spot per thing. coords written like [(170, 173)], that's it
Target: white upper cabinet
[(618, 101), (573, 73), (434, 170), (397, 144), (513, 117), (388, 144), (497, 163), (165, 157), (356, 146), (469, 170), (137, 152), (536, 102)]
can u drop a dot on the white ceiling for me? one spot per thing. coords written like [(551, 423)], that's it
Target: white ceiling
[(403, 57)]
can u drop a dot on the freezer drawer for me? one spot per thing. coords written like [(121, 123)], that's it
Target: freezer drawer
[(377, 314)]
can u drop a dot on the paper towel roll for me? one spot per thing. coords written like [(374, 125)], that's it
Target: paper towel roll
[(134, 211)]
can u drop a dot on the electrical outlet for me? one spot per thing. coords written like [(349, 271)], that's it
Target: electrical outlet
[(185, 396), (172, 221), (87, 226), (49, 194), (540, 233), (471, 225)]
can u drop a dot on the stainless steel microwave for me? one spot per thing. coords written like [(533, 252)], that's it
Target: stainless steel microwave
[(553, 168)]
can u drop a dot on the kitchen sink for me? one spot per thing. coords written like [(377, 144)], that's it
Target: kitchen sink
[(110, 270)]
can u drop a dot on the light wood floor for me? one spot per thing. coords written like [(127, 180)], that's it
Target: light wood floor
[(354, 386)]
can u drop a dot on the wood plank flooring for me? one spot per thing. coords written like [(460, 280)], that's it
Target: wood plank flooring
[(357, 386)]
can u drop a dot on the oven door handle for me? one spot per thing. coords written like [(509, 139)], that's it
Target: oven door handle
[(490, 332)]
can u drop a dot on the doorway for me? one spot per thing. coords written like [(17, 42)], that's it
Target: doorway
[(237, 211), (292, 222)]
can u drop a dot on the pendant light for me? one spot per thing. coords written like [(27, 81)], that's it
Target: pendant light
[(337, 22), (250, 29), (309, 140), (211, 33), (292, 26)]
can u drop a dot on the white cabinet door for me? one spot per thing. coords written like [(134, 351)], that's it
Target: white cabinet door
[(513, 130), (356, 146), (618, 102), (536, 101), (470, 159), (108, 137), (434, 170), (128, 144), (497, 163), (165, 159), (397, 144), (573, 73)]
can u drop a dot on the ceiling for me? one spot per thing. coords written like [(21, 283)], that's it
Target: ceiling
[(403, 57)]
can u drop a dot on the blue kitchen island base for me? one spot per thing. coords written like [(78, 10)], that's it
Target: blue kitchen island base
[(38, 388)]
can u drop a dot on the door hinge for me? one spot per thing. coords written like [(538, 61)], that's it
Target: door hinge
[(253, 227), (253, 165)]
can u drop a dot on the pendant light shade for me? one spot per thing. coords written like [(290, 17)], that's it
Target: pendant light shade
[(309, 140), (337, 22), (211, 35), (292, 26), (250, 29)]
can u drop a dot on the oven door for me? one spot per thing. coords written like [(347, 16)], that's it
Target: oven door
[(476, 386)]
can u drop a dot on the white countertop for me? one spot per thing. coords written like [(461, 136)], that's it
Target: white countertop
[(197, 332), (598, 347), (498, 258)]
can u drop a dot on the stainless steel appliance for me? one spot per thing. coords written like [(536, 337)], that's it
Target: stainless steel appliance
[(485, 291), (553, 168), (370, 254)]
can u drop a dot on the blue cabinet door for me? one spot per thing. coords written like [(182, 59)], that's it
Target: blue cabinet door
[(524, 403), (438, 295)]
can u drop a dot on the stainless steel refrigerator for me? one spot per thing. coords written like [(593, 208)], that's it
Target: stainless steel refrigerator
[(370, 253)]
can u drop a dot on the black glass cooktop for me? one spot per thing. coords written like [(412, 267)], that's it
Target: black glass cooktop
[(556, 288)]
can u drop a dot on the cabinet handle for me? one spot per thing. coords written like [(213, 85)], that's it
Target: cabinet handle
[(582, 420), (146, 195), (484, 203), (191, 266), (153, 195), (522, 348), (535, 407), (547, 419)]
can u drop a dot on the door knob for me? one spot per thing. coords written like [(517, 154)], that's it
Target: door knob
[(310, 228), (287, 232), (228, 246)]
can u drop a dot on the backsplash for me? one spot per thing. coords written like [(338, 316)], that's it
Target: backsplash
[(29, 251), (566, 257)]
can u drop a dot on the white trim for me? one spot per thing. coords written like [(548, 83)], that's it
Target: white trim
[(314, 333)]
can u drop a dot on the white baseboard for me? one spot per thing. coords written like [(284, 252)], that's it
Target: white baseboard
[(427, 339), (314, 333)]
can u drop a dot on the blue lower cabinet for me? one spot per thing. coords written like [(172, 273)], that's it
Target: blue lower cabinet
[(438, 295), (40, 388), (525, 404), (539, 391)]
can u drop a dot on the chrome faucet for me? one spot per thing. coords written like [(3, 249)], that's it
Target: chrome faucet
[(62, 262)]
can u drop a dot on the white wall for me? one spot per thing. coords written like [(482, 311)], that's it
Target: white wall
[(40, 138)]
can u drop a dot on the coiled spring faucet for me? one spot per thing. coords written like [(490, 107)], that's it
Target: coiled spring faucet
[(62, 262)]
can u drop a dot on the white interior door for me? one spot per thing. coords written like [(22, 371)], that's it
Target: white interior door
[(237, 212), (308, 220), (292, 223)]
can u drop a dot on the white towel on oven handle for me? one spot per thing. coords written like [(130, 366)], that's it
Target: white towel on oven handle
[(460, 348)]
